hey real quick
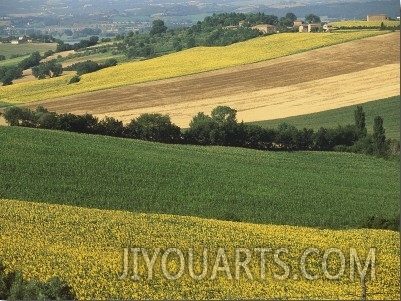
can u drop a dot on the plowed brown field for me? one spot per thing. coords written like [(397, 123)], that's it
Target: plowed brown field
[(317, 80)]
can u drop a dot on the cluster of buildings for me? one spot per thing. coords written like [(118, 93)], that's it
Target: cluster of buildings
[(21, 40), (310, 27)]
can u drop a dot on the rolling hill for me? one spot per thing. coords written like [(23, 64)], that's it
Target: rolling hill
[(319, 189), (322, 79)]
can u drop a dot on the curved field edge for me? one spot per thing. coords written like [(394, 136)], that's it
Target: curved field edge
[(330, 190), (196, 60), (388, 109), (85, 248)]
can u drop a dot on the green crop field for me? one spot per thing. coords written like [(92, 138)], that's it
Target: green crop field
[(330, 190), (388, 108), (9, 49)]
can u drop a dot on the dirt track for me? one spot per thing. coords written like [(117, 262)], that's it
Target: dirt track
[(314, 81)]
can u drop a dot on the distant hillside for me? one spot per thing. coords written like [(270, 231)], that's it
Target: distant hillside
[(334, 8)]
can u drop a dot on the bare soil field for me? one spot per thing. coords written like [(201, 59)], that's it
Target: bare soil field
[(314, 81)]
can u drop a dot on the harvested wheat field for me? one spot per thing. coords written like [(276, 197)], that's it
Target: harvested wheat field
[(322, 79)]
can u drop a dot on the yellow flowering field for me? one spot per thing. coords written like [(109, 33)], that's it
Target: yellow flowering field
[(195, 60), (90, 248), (361, 23)]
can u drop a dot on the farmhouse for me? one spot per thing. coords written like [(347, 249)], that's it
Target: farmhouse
[(21, 40), (377, 17), (265, 28), (310, 27), (298, 23)]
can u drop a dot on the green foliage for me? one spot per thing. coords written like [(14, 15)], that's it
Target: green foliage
[(8, 74), (31, 61), (110, 126), (90, 66), (75, 79), (158, 27), (379, 137), (84, 67), (154, 127), (288, 20), (317, 189), (360, 121), (61, 46), (47, 69), (16, 116), (14, 287), (311, 18)]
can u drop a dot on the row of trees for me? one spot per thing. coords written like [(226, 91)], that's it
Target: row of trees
[(61, 46), (48, 69), (90, 66), (220, 128), (14, 287), (10, 73)]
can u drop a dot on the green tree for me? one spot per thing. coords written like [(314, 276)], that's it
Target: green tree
[(110, 126), (199, 129), (311, 18), (154, 127), (17, 287), (48, 69), (360, 121), (227, 130), (16, 116), (223, 114), (379, 137), (290, 17), (31, 61), (158, 27)]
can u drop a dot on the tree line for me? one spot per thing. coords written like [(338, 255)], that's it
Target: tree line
[(220, 128)]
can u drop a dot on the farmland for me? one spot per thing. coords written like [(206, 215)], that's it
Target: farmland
[(22, 49), (388, 108), (318, 189), (367, 69), (85, 247), (195, 60), (361, 24), (70, 203)]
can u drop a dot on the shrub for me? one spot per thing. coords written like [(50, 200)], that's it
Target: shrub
[(75, 79), (14, 287)]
